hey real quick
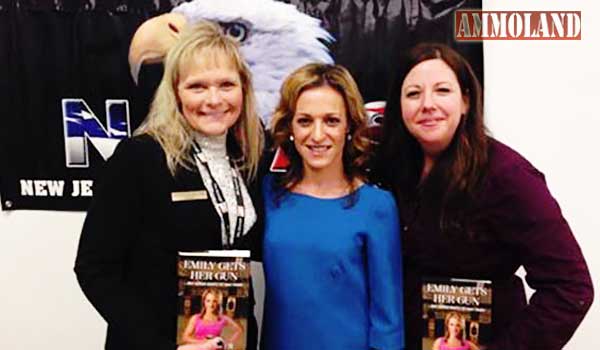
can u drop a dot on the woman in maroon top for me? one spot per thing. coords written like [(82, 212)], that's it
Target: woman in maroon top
[(474, 208)]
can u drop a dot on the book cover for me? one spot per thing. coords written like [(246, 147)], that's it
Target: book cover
[(214, 298), (457, 313)]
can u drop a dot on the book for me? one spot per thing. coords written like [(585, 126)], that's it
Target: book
[(456, 311), (214, 298)]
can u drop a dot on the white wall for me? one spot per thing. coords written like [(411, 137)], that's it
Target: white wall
[(542, 98)]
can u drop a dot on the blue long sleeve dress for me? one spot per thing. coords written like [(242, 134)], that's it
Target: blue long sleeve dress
[(333, 273)]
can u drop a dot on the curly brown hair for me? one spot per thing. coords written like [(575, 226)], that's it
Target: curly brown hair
[(355, 153)]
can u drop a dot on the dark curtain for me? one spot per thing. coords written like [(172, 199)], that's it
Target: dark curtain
[(52, 50)]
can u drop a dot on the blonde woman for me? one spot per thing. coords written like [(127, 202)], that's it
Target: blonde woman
[(210, 322), (454, 336), (183, 183)]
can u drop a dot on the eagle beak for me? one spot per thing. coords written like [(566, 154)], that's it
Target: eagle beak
[(153, 39)]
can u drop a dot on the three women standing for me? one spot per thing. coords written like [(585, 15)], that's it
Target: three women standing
[(471, 207)]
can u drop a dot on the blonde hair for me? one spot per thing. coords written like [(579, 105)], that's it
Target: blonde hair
[(217, 295), (461, 321), (310, 76), (165, 121)]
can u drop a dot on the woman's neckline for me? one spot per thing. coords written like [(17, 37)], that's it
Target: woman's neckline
[(213, 146), (218, 319), (359, 187)]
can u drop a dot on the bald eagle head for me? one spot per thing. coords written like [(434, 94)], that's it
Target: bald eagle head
[(275, 39)]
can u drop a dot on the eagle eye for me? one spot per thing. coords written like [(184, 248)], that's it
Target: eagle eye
[(236, 30)]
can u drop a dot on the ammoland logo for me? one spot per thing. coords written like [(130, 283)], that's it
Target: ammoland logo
[(476, 25)]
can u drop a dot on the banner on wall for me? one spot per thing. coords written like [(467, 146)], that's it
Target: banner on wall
[(68, 96)]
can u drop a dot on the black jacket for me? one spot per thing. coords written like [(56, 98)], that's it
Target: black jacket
[(126, 263)]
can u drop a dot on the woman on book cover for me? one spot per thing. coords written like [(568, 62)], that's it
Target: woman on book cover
[(454, 335), (210, 322), (184, 182), (474, 208), (331, 249)]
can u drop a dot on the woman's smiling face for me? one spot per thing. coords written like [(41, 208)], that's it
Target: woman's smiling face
[(432, 105), (319, 127), (210, 95)]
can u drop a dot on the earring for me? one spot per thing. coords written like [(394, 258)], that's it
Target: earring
[(291, 138), (349, 137)]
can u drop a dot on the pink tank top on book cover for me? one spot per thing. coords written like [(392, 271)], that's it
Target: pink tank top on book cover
[(444, 346), (208, 329)]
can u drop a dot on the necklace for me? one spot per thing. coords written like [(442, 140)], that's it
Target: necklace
[(219, 198)]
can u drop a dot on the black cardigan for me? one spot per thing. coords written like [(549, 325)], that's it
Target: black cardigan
[(126, 263)]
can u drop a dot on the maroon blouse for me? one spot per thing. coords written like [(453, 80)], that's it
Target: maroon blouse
[(516, 222)]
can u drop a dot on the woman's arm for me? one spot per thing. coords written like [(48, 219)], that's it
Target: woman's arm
[(384, 270), (472, 346), (436, 344), (529, 219), (109, 233), (237, 329), (187, 337)]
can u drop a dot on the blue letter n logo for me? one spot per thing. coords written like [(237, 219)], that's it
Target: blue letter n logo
[(81, 126)]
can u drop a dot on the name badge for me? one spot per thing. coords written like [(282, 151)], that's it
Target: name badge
[(188, 196)]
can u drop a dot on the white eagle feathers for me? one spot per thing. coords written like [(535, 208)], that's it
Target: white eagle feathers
[(275, 39)]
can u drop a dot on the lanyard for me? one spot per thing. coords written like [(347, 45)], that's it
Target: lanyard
[(219, 198)]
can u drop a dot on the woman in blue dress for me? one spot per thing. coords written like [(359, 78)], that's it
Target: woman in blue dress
[(332, 253)]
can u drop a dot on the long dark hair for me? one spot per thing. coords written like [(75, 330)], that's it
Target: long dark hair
[(457, 173), (356, 151)]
